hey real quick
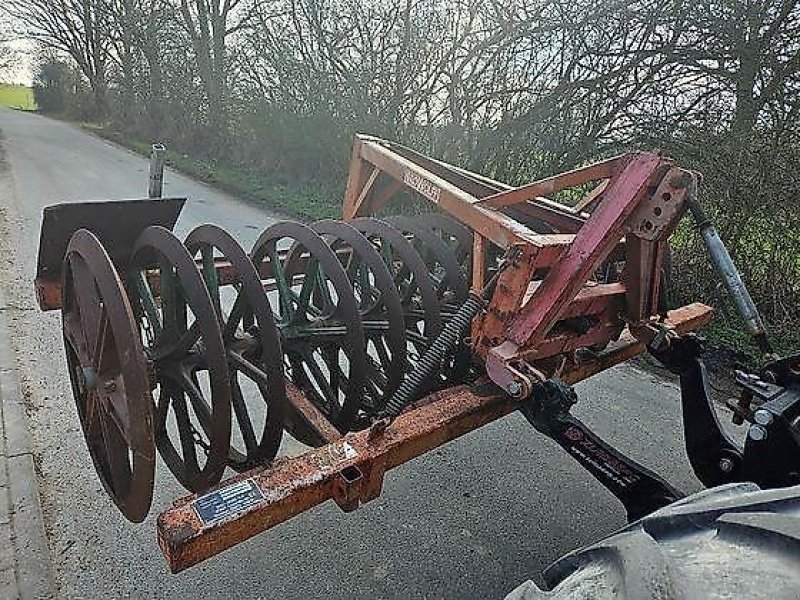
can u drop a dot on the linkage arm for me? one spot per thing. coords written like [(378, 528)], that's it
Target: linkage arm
[(640, 490)]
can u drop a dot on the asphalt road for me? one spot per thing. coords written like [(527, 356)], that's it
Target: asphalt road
[(471, 520)]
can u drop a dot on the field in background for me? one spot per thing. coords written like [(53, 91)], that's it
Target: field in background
[(16, 96)]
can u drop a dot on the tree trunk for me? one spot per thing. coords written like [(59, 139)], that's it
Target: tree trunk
[(155, 112)]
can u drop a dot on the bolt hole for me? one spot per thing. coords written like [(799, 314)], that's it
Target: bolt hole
[(657, 211), (648, 225), (666, 196), (351, 474)]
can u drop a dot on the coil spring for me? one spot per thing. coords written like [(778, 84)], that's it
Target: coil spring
[(431, 361)]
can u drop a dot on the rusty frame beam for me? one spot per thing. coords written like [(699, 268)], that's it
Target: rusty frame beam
[(350, 470), (550, 185), (500, 229)]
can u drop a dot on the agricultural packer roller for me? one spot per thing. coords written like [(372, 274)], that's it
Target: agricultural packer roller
[(374, 340)]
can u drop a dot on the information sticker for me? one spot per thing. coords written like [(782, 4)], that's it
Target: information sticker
[(227, 502)]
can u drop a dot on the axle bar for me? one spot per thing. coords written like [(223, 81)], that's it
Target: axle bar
[(350, 470)]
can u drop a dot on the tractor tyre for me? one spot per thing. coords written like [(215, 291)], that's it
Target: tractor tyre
[(732, 541)]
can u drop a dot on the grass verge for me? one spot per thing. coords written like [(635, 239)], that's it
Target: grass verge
[(305, 202), (732, 335)]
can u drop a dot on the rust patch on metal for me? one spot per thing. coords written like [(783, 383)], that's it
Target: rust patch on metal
[(349, 470)]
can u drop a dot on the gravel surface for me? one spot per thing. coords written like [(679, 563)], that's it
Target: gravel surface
[(471, 520)]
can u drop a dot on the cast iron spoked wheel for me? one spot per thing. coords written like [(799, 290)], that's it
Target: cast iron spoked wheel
[(449, 281), (252, 344), (380, 308), (109, 375), (318, 319), (457, 237), (182, 337), (411, 279), (441, 260)]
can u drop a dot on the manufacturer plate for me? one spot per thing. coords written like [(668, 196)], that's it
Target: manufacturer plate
[(227, 502)]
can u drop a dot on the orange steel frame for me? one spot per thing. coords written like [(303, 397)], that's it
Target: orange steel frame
[(633, 205), (527, 333)]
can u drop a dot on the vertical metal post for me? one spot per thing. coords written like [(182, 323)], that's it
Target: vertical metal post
[(156, 180)]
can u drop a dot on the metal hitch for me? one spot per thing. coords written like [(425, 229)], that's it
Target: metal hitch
[(640, 490)]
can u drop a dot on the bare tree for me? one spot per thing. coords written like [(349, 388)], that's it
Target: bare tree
[(8, 56), (74, 27), (136, 30), (209, 24)]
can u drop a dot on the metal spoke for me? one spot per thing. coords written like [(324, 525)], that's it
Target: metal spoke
[(147, 302), (328, 389), (309, 281), (284, 287), (185, 429), (379, 343), (85, 289), (325, 293), (242, 416), (375, 375), (189, 385), (181, 347), (99, 344), (235, 316), (116, 454), (210, 275), (74, 334), (248, 369), (92, 416)]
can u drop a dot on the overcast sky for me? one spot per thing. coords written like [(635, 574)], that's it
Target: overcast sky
[(22, 73)]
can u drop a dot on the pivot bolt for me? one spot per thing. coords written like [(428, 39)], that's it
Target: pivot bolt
[(110, 386), (514, 389), (757, 433), (763, 417), (725, 465)]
